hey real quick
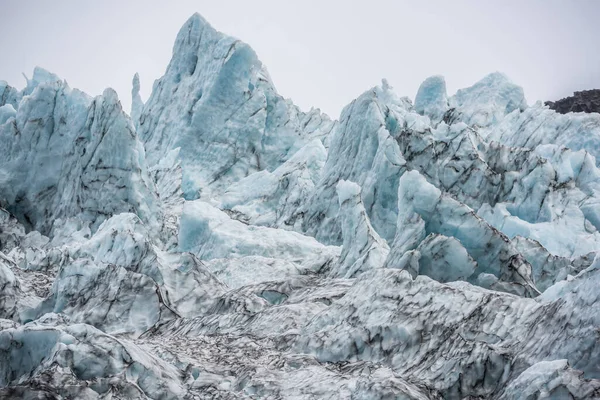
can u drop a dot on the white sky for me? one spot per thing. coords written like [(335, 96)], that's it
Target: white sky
[(319, 53)]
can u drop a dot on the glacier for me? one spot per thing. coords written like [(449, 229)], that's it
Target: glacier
[(217, 242)]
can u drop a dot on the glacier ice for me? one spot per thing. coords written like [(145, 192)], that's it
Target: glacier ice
[(362, 150), (435, 212), (538, 125), (458, 338), (210, 233), (137, 105), (88, 159), (273, 198), (218, 242), (217, 104), (431, 99), (363, 249), (488, 101)]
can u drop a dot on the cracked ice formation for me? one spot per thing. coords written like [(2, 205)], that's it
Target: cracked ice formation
[(362, 249), (79, 353), (273, 198), (210, 233), (431, 99), (89, 161), (444, 259), (216, 102), (458, 338), (488, 101), (424, 205), (186, 252), (137, 104), (363, 151)]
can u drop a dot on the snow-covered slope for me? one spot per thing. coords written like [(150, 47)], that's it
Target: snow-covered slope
[(221, 243)]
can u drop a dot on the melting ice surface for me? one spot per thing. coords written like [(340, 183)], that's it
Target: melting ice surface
[(218, 242)]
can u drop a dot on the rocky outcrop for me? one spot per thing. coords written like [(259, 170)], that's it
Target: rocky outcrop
[(587, 101)]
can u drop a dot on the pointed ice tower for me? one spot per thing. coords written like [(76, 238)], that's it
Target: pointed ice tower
[(431, 99), (216, 102), (137, 105)]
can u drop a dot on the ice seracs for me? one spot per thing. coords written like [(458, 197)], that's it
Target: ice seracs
[(67, 156), (273, 198), (362, 248), (136, 100), (472, 342), (444, 259), (362, 150), (431, 99), (217, 104), (10, 96), (433, 212), (221, 243), (488, 101), (210, 233)]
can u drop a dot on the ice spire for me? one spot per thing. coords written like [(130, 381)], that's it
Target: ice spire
[(136, 100)]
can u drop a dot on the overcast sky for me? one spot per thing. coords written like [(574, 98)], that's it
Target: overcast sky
[(319, 53)]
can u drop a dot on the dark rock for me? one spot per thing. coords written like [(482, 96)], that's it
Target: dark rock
[(585, 101)]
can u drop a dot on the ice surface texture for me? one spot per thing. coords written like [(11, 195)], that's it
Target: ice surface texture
[(218, 242)]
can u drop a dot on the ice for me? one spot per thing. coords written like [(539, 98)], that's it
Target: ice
[(553, 380), (216, 102), (431, 99), (386, 309), (10, 291), (137, 105), (273, 198), (7, 112), (218, 242), (184, 284), (547, 268), (362, 249), (106, 296), (438, 213), (210, 233), (88, 162), (444, 259), (40, 76), (80, 353), (362, 150), (488, 101), (239, 272), (10, 96), (539, 125)]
